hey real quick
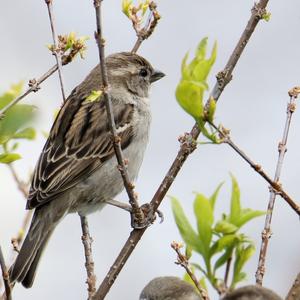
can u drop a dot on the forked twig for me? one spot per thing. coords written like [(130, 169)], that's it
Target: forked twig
[(276, 187), (145, 32), (56, 51), (184, 262), (186, 148), (266, 233)]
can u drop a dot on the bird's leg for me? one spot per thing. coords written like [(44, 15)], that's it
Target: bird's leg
[(150, 217), (119, 204)]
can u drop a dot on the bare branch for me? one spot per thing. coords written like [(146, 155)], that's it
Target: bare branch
[(17, 241), (89, 263), (183, 261), (266, 234), (5, 276), (227, 270), (294, 292), (184, 151), (276, 187), (137, 213), (22, 186), (56, 51)]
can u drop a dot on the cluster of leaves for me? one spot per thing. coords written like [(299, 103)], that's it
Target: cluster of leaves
[(69, 46), (193, 84), (13, 125), (218, 242), (131, 11)]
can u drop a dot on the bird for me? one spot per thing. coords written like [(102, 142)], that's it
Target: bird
[(252, 292), (169, 288), (77, 169)]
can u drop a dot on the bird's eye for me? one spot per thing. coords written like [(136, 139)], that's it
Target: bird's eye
[(143, 72)]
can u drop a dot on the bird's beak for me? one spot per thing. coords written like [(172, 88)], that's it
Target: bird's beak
[(156, 75)]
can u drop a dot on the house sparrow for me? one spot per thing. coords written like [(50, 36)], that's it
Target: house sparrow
[(169, 288), (77, 169), (252, 292)]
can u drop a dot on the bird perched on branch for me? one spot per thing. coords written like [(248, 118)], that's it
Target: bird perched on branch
[(77, 169)]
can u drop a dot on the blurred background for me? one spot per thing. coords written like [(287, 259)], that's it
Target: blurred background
[(253, 106)]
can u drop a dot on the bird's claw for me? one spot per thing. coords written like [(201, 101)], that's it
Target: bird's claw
[(149, 217)]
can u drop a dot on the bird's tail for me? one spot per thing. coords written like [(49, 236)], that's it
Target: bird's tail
[(25, 266)]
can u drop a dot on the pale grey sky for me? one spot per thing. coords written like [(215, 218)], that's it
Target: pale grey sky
[(253, 106)]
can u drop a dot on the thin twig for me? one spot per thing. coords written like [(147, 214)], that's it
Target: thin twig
[(22, 186), (56, 51), (184, 151), (137, 213), (266, 233), (145, 32), (294, 292), (275, 185), (227, 270), (89, 263), (17, 241), (183, 261), (34, 84), (5, 276)]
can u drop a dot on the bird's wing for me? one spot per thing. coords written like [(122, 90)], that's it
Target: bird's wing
[(78, 144)]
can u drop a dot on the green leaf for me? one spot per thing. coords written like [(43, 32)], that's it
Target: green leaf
[(187, 232), (15, 118), (198, 267), (235, 205), (210, 135), (227, 241), (184, 67), (188, 252), (242, 255), (11, 94), (225, 227), (211, 109), (267, 16), (214, 196), (191, 88), (7, 158), (94, 96), (126, 7), (189, 95), (223, 259), (201, 49), (14, 146), (71, 38), (204, 215), (247, 215), (27, 133)]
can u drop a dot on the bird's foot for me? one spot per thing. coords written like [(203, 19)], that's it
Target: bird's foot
[(148, 219), (149, 216)]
